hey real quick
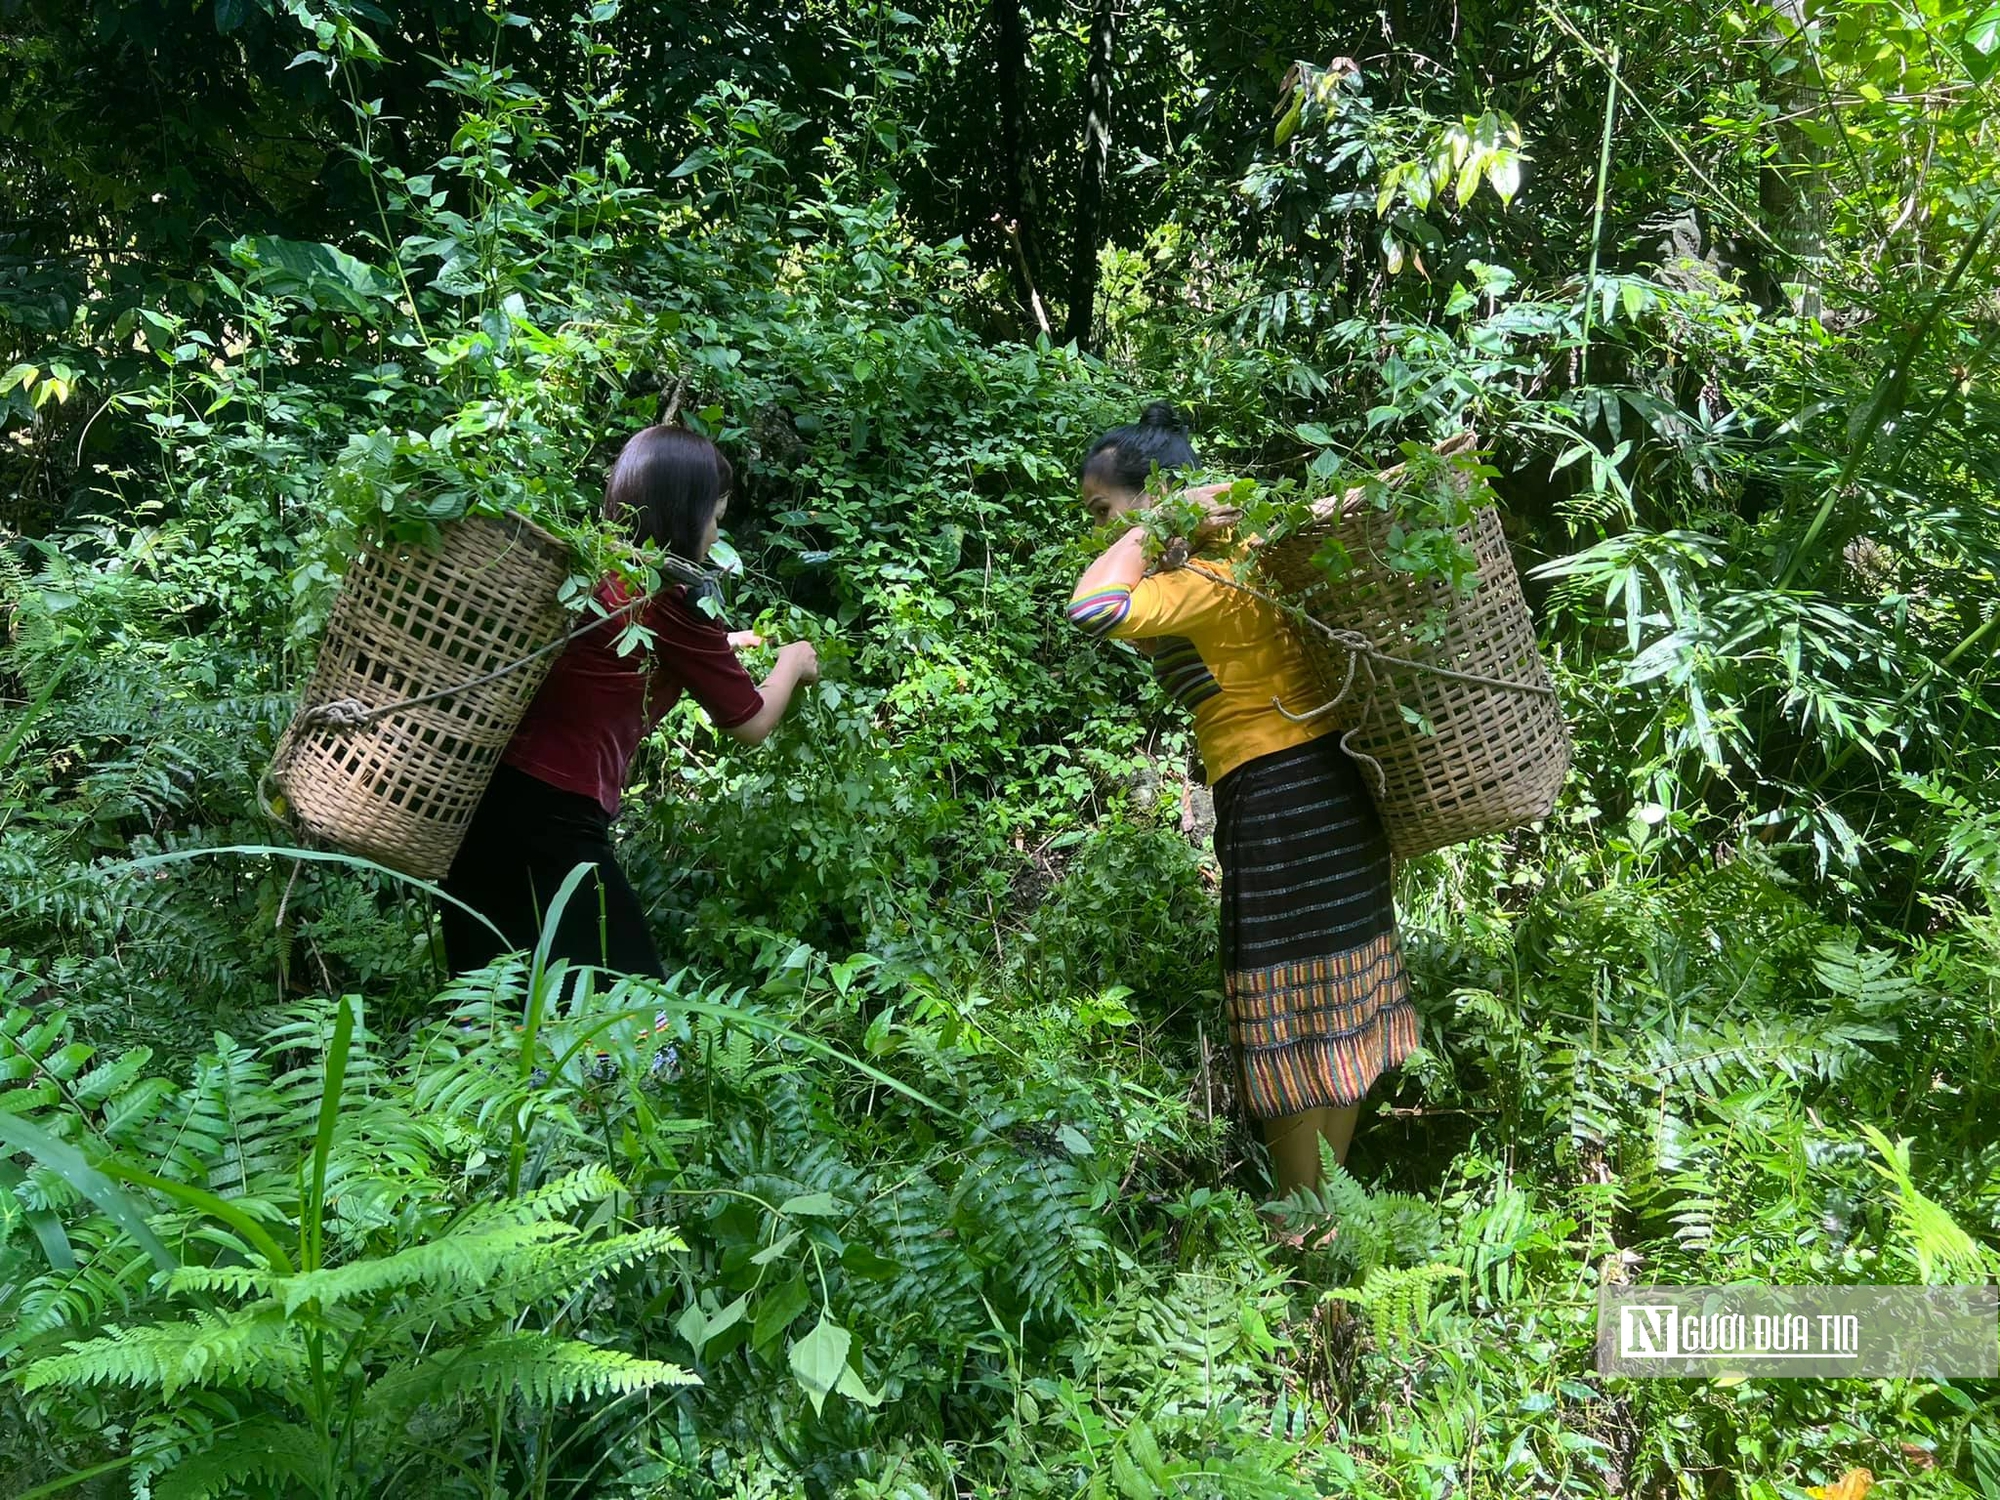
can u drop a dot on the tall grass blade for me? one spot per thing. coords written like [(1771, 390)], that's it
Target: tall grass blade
[(60, 1157), (311, 1223)]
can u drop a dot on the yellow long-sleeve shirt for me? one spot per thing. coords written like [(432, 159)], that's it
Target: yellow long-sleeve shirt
[(1225, 653)]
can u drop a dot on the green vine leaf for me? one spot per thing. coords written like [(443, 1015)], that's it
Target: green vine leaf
[(819, 1360)]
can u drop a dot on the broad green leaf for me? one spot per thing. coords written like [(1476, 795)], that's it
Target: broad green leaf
[(1290, 123), (692, 1326), (317, 275), (1983, 36), (772, 1251), (1386, 193), (855, 1389), (777, 1308), (1145, 1451), (811, 1205), (1132, 1484), (1468, 178), (859, 1260), (818, 1360), (727, 1319)]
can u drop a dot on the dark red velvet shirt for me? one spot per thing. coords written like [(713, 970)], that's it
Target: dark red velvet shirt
[(595, 705)]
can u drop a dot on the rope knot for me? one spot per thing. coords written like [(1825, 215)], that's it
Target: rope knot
[(342, 713)]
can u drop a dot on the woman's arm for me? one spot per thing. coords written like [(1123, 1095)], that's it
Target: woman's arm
[(1121, 565), (797, 664)]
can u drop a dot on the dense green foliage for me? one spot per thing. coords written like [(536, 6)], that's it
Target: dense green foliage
[(922, 1178)]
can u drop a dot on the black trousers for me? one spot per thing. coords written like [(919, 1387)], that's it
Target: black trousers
[(525, 839)]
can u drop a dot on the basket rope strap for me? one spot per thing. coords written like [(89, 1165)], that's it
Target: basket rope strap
[(1352, 641), (1363, 656), (350, 714)]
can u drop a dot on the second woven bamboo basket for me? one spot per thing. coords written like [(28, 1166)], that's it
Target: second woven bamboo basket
[(401, 787)]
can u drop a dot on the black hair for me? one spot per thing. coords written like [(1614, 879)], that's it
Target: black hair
[(1124, 457), (665, 485)]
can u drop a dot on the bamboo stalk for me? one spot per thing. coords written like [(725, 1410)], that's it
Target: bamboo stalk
[(1597, 215), (1892, 381)]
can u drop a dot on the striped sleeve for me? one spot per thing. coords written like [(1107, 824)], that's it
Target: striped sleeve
[(1101, 611), (1178, 667)]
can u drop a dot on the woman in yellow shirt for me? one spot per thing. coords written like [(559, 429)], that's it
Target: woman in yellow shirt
[(1312, 970)]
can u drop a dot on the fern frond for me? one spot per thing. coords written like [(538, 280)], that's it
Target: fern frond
[(536, 1366), (553, 1200), (220, 1131), (244, 1281), (1033, 1215), (307, 1032), (1972, 836), (254, 1347), (111, 1273), (130, 1115), (108, 1080), (460, 1261), (1932, 1238), (1489, 1238), (546, 1274), (1372, 1228), (1396, 1300), (1163, 1341), (270, 1451)]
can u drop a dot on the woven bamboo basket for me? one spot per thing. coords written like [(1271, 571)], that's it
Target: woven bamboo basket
[(1491, 750), (400, 787)]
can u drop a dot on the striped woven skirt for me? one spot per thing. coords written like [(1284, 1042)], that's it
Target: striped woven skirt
[(1318, 1002)]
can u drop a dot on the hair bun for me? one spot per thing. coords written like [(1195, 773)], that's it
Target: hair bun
[(1164, 415)]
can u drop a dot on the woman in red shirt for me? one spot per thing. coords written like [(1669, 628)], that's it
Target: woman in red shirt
[(558, 785)]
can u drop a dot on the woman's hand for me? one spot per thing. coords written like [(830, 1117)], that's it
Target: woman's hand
[(1220, 518), (797, 665), (804, 661), (745, 640)]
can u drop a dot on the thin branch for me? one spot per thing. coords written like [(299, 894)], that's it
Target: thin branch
[(1012, 229), (673, 407)]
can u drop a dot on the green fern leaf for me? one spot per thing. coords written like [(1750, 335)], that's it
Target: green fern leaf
[(542, 1369), (273, 1451), (454, 1262), (254, 1347)]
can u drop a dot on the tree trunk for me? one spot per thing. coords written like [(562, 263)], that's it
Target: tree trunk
[(1091, 180), (1016, 215)]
